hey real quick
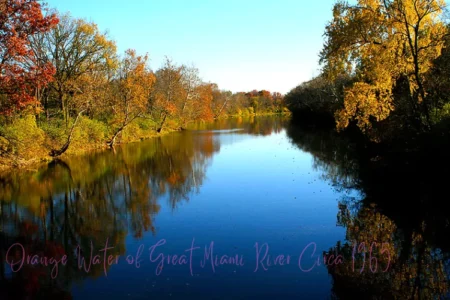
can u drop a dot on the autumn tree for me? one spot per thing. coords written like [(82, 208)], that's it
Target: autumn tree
[(278, 101), (201, 107), (190, 81), (20, 73), (239, 103), (133, 86), (180, 95), (381, 42), (253, 100), (168, 93), (265, 101), (76, 48), (221, 101), (94, 91)]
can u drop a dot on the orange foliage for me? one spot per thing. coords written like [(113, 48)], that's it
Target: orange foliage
[(203, 102), (174, 178), (20, 72)]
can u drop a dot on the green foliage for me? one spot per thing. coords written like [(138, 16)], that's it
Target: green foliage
[(441, 115), (55, 132), (23, 139), (138, 130), (131, 133), (88, 134), (95, 131), (146, 124)]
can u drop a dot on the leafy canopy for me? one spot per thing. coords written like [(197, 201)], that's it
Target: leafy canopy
[(20, 71), (379, 42)]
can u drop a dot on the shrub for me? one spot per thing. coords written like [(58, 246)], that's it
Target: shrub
[(146, 125), (96, 131), (23, 138), (131, 133), (87, 134)]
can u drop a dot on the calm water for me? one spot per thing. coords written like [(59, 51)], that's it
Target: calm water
[(242, 191)]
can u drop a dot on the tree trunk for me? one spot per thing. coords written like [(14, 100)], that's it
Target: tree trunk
[(58, 152), (162, 124), (127, 121), (47, 115), (61, 102), (221, 109), (38, 97), (112, 141)]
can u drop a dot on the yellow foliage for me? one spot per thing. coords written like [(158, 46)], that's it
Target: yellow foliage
[(25, 138), (362, 101), (135, 85), (379, 42)]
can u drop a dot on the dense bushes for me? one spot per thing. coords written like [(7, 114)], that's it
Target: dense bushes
[(316, 101), (22, 139)]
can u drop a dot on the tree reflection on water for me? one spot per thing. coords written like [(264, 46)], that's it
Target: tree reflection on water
[(401, 207)]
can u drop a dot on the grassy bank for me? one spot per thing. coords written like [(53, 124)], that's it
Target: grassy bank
[(25, 144), (29, 142)]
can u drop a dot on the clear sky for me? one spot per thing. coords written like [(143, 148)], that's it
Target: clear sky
[(239, 44)]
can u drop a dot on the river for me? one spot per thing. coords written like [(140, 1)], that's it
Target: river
[(243, 208)]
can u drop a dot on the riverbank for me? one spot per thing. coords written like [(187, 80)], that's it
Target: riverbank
[(86, 140), (384, 137), (12, 162)]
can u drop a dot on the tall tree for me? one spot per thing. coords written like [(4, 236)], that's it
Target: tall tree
[(201, 108), (76, 48), (381, 42), (131, 92), (190, 81), (195, 103), (220, 102), (20, 74), (168, 93)]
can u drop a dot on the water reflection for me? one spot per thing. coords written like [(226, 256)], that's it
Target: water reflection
[(401, 212), (107, 195), (117, 196)]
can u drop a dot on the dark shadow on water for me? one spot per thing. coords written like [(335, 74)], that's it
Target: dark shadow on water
[(117, 195), (403, 211)]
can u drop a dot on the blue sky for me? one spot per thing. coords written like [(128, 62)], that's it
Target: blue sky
[(239, 44)]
